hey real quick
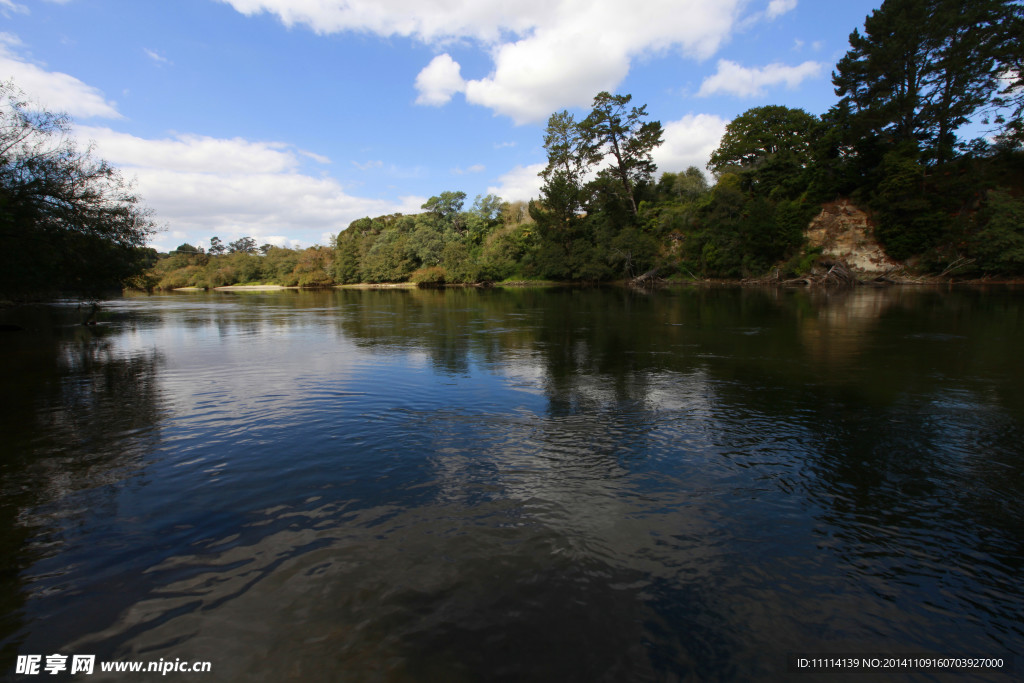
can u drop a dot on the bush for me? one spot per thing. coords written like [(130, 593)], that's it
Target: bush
[(999, 244), (433, 275)]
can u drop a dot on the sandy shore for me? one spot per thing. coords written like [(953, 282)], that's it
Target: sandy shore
[(380, 285), (253, 288)]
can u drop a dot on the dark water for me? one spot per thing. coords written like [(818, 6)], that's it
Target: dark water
[(515, 485)]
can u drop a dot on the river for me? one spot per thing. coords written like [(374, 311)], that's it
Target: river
[(516, 484)]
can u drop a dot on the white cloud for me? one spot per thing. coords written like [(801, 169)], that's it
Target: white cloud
[(51, 89), (280, 241), (689, 142), (8, 7), (429, 21), (777, 8), (202, 186), (520, 184), (751, 82), (368, 165), (438, 81), (547, 54), (156, 56), (192, 152), (319, 158)]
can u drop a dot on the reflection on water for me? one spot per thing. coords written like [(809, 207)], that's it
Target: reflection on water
[(509, 485)]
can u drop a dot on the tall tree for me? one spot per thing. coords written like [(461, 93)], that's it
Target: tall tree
[(1009, 104), (447, 207), (570, 158), (245, 245), (613, 130), (921, 69), (772, 146), (68, 221)]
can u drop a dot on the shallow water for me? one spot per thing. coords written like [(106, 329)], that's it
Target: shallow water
[(515, 485)]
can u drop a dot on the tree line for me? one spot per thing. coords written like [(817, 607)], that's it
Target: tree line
[(917, 73), (914, 76)]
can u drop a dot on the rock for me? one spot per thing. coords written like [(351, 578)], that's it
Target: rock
[(845, 234)]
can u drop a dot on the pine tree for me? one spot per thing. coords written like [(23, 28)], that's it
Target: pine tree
[(921, 69)]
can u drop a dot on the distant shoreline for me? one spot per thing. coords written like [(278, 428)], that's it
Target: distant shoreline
[(710, 282)]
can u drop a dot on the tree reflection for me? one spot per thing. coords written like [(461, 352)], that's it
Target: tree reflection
[(79, 418)]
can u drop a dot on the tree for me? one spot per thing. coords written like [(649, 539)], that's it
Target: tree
[(447, 207), (315, 267), (216, 246), (771, 145), (68, 221), (921, 69), (570, 157), (611, 129), (1011, 67), (687, 186), (244, 245)]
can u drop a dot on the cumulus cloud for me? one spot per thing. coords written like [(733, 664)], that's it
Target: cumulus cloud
[(739, 80), (522, 183), (51, 89), (689, 142), (192, 152), (202, 186), (547, 54), (439, 80)]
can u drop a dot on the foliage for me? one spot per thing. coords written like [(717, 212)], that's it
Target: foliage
[(999, 245), (244, 245), (432, 275), (771, 147), (69, 221), (315, 267), (921, 69), (612, 130), (312, 267)]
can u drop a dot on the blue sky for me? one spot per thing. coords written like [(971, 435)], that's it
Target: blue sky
[(287, 119)]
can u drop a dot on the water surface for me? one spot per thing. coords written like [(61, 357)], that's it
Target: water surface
[(515, 484)]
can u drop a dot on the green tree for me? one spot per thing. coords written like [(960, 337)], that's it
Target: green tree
[(613, 130), (999, 245), (68, 221), (687, 186), (921, 69), (570, 157), (244, 245), (315, 267), (448, 208), (771, 146), (278, 266), (1009, 105)]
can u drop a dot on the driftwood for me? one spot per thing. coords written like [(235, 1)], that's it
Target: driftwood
[(646, 280), (838, 276)]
